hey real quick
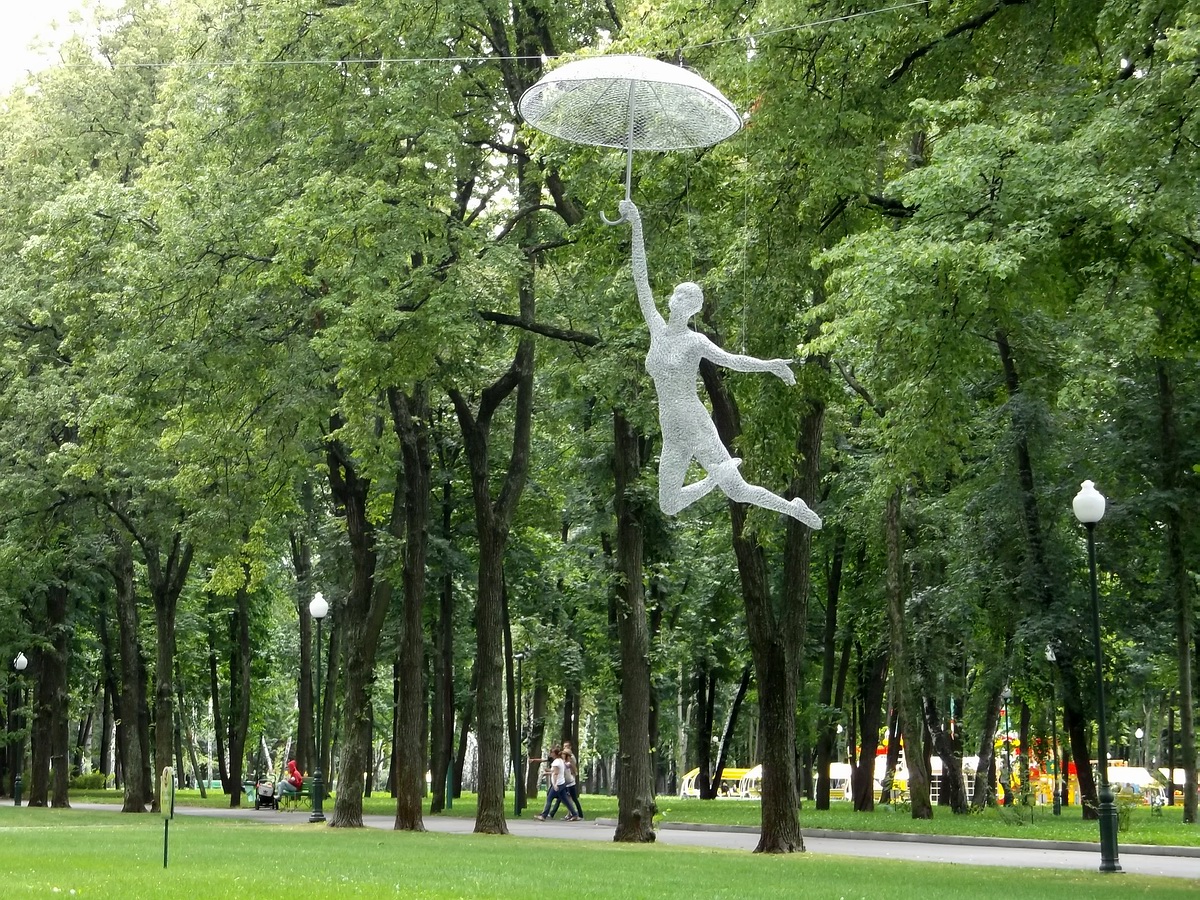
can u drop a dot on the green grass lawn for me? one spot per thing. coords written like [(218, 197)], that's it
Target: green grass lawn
[(1035, 823), (87, 854)]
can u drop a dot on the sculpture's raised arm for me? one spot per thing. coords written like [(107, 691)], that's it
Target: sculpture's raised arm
[(641, 276)]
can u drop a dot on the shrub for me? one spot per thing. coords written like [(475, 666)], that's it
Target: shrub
[(1126, 803)]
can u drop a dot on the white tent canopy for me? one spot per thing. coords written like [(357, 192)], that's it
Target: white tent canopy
[(1134, 776)]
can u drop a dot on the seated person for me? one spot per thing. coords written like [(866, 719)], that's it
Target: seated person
[(291, 784)]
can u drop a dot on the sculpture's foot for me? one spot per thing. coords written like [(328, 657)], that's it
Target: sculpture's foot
[(799, 511), (728, 467)]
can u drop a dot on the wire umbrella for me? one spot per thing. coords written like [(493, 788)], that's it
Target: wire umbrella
[(631, 103)]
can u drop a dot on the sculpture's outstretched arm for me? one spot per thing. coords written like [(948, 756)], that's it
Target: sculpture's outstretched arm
[(741, 363), (641, 276)]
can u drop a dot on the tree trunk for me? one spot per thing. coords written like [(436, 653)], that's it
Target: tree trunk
[(489, 662), (635, 776), (570, 716), (50, 735), (442, 751), (108, 728), (827, 734), (15, 739), (164, 693), (731, 724), (683, 716), (493, 518), (38, 790), (166, 578), (1024, 794), (109, 695), (492, 522), (1074, 716), (394, 730), (132, 741), (214, 687), (987, 749), (81, 746), (361, 640), (777, 706), (512, 726), (239, 693), (189, 738), (409, 417), (776, 640), (872, 683), (467, 720), (706, 691), (301, 550), (537, 734), (1179, 581), (330, 663), (360, 621), (954, 788), (904, 680), (56, 680), (177, 729)]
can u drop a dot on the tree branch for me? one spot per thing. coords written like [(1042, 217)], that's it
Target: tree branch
[(550, 331), (892, 207), (970, 25), (858, 388), (521, 214)]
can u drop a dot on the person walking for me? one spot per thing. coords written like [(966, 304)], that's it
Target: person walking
[(571, 787), (556, 789)]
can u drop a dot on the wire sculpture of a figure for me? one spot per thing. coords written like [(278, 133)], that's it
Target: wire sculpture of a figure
[(688, 432)]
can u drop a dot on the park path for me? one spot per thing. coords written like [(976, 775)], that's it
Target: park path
[(1172, 862)]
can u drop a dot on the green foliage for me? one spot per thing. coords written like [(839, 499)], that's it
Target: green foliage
[(89, 782), (212, 270)]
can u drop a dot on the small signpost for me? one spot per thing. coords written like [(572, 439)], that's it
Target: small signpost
[(166, 803)]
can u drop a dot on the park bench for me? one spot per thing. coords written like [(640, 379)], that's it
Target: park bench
[(302, 799), (730, 785)]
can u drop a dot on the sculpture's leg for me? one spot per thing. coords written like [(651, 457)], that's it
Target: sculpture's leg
[(673, 495), (737, 488)]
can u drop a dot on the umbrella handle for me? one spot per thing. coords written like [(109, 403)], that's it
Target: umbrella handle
[(628, 157)]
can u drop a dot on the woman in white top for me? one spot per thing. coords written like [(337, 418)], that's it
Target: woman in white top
[(556, 790)]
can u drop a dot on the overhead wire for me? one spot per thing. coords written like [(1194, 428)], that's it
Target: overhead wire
[(458, 60)]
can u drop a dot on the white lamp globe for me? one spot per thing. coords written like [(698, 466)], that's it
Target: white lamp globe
[(21, 662), (319, 608), (1088, 504)]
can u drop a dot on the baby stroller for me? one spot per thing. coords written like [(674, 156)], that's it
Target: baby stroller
[(264, 795)]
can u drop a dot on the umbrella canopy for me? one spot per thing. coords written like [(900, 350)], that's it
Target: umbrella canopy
[(629, 102)]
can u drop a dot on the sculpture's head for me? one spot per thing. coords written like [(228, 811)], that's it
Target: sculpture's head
[(687, 300)]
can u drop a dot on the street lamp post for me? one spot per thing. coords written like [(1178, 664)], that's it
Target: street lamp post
[(20, 664), (318, 609), (1141, 748), (1088, 506), (518, 754), (1008, 776), (1052, 658)]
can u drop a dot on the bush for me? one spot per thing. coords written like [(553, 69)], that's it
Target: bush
[(90, 782), (1126, 803)]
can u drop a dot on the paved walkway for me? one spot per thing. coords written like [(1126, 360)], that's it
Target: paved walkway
[(1173, 862)]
